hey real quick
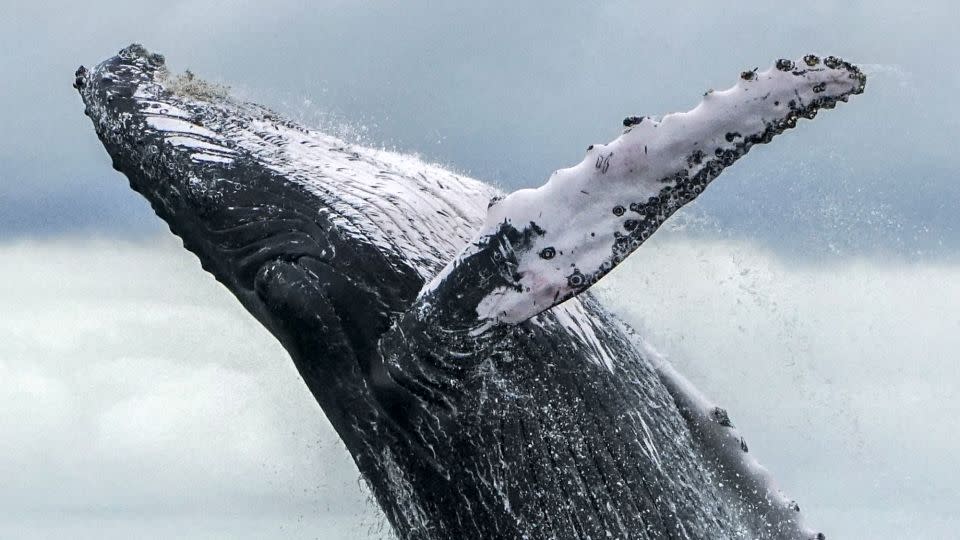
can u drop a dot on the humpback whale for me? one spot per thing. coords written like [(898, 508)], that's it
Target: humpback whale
[(446, 329)]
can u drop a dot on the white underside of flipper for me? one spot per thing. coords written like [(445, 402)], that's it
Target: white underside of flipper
[(587, 218)]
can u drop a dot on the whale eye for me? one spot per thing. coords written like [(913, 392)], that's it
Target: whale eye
[(548, 253), (576, 279), (618, 210)]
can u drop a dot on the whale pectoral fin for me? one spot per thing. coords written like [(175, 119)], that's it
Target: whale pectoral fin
[(539, 247)]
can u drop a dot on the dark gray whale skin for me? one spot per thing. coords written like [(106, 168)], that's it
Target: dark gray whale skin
[(521, 434)]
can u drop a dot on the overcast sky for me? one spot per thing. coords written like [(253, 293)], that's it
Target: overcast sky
[(812, 289)]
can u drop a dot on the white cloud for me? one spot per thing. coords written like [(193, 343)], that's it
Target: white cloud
[(140, 400), (134, 386), (842, 376)]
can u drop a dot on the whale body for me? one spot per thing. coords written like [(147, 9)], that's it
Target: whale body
[(447, 330)]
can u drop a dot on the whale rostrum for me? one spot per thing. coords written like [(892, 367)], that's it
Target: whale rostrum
[(447, 330)]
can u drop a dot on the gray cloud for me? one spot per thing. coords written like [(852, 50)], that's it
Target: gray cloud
[(510, 92)]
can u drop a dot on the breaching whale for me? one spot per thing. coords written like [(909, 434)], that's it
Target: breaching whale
[(447, 330)]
